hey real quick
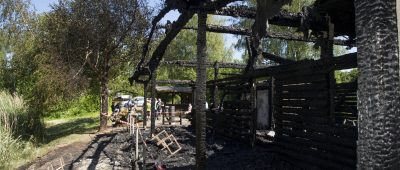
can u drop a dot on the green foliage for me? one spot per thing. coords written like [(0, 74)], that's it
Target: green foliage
[(83, 105), (183, 47), (346, 76), (287, 49)]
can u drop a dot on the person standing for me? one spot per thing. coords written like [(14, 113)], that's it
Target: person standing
[(159, 106)]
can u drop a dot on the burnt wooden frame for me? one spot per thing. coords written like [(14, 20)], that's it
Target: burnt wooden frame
[(328, 62)]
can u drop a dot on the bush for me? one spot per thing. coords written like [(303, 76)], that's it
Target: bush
[(16, 124), (12, 149), (80, 106)]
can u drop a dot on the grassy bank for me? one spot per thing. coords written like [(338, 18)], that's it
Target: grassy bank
[(18, 146), (16, 138)]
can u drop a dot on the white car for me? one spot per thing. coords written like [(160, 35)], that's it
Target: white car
[(138, 101)]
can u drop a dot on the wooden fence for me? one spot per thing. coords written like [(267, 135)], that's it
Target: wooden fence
[(309, 112), (314, 118)]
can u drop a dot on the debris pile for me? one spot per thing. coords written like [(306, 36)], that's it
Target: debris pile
[(114, 151)]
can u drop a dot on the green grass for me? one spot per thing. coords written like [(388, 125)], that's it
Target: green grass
[(18, 147), (63, 131), (58, 128), (16, 130)]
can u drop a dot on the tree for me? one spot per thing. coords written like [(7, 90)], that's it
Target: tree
[(378, 145), (346, 76), (14, 20), (94, 38), (184, 48), (13, 16), (287, 49), (201, 92)]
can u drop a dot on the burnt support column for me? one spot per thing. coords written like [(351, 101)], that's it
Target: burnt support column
[(378, 145), (153, 102), (145, 105), (327, 57), (215, 86), (253, 112)]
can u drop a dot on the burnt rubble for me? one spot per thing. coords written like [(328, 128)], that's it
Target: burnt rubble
[(115, 150)]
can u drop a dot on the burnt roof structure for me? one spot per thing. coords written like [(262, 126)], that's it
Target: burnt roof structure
[(341, 13)]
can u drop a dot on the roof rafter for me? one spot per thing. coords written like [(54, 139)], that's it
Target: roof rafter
[(158, 53), (184, 63), (247, 32)]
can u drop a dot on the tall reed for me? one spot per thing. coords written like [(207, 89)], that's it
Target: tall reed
[(14, 124)]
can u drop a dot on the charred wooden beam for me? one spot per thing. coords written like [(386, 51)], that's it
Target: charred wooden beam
[(181, 82), (284, 18), (276, 59), (346, 61), (247, 32), (160, 50), (187, 9), (184, 63), (250, 45)]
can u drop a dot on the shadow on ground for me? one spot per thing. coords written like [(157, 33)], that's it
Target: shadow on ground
[(76, 126)]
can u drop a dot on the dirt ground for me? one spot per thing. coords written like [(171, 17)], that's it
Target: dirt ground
[(115, 150)]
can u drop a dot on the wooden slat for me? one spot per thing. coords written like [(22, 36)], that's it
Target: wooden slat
[(344, 142), (302, 95), (322, 160), (348, 153), (320, 129), (322, 112), (309, 79), (302, 87), (302, 118)]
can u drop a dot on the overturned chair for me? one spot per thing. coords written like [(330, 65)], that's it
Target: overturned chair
[(167, 141)]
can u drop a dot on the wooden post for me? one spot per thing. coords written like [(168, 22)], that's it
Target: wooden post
[(215, 87), (180, 118), (277, 126), (327, 57), (253, 101), (153, 102), (145, 105), (193, 113)]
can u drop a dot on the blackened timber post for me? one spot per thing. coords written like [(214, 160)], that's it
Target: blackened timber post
[(215, 86), (153, 102), (276, 126), (193, 113), (144, 105), (327, 57), (253, 101), (215, 99)]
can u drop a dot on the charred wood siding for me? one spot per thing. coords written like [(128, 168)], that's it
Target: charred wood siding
[(234, 121), (346, 102), (305, 131)]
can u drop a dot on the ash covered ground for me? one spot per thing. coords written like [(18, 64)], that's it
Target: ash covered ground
[(115, 150)]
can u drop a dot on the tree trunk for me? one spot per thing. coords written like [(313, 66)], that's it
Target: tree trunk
[(103, 101), (201, 92), (378, 145)]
